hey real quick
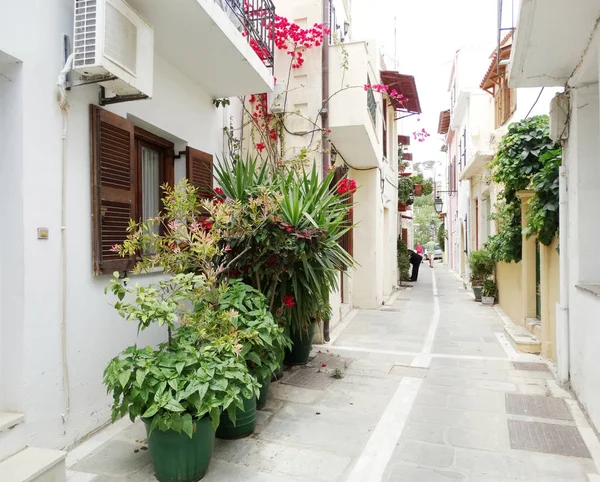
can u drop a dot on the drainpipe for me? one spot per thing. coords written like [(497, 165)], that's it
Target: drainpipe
[(325, 115), (562, 308), (63, 103)]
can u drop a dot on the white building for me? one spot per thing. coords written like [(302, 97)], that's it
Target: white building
[(557, 45), (57, 328)]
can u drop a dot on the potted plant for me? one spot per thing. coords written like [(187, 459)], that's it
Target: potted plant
[(293, 257), (179, 389), (418, 188), (481, 265), (489, 292), (405, 189), (265, 344)]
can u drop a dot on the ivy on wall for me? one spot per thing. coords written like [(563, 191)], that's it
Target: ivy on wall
[(526, 159)]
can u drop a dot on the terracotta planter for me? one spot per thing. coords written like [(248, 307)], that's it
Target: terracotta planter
[(418, 189), (402, 207)]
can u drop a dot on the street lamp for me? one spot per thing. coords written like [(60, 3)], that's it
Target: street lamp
[(438, 204)]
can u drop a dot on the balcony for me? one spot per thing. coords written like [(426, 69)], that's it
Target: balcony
[(225, 46), (355, 114)]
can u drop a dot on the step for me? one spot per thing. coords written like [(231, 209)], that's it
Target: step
[(12, 434), (9, 420), (34, 465), (522, 339)]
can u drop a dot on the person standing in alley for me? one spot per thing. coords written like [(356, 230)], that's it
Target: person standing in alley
[(415, 260), (430, 246)]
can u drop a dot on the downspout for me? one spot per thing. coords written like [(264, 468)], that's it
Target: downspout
[(63, 103), (562, 308), (325, 116)]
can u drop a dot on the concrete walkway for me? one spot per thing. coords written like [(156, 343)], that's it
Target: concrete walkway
[(426, 389)]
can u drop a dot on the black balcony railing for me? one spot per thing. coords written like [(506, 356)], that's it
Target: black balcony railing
[(256, 20)]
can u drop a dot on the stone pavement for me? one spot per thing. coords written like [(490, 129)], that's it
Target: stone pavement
[(426, 389)]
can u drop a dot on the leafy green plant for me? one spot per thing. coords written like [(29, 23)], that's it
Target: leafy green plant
[(526, 158), (403, 260), (543, 208), (481, 265), (426, 183), (441, 237), (489, 288), (405, 189), (178, 384), (266, 341)]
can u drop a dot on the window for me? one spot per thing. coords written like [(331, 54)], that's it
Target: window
[(347, 240), (371, 103), (128, 166), (463, 149), (384, 140)]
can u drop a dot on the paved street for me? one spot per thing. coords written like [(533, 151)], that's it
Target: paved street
[(426, 389)]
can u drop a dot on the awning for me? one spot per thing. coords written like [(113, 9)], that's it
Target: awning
[(478, 163), (405, 85), (407, 156), (496, 70)]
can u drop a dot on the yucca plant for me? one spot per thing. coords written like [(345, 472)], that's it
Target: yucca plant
[(295, 257)]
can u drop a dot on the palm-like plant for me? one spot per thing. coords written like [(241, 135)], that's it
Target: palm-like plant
[(296, 253)]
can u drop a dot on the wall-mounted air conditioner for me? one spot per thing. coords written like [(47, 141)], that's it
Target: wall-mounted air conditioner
[(111, 41)]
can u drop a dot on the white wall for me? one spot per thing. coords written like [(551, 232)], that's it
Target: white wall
[(179, 110), (583, 149)]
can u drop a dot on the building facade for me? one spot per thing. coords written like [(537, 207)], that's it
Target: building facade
[(57, 328), (540, 59)]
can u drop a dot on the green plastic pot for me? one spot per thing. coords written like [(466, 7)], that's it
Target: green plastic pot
[(178, 458), (245, 422), (477, 292), (261, 401), (301, 345)]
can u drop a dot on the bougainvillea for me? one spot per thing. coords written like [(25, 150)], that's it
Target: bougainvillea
[(346, 186)]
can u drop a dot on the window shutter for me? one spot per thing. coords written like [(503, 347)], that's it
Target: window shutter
[(200, 171), (347, 240), (114, 188)]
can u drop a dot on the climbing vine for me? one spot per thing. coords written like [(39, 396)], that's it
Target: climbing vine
[(526, 159)]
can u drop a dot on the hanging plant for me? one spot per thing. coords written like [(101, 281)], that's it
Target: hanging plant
[(405, 189)]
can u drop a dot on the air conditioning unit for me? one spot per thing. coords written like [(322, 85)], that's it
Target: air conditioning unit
[(113, 42)]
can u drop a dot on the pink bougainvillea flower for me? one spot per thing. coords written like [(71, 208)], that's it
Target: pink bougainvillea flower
[(323, 365), (115, 248)]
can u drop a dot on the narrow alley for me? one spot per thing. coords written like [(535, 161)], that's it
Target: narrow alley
[(425, 389)]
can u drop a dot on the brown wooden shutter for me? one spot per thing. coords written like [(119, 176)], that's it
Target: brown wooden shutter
[(347, 240), (200, 171), (114, 188)]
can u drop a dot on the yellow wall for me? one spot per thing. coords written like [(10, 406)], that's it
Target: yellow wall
[(508, 278), (550, 295)]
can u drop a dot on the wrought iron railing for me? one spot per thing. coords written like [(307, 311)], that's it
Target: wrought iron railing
[(256, 20)]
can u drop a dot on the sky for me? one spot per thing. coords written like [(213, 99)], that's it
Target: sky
[(428, 33)]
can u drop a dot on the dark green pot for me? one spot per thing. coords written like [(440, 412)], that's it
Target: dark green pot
[(178, 458), (261, 401), (477, 292), (245, 422), (301, 345)]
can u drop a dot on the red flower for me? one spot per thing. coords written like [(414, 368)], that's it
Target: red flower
[(289, 301), (219, 191), (261, 146), (323, 365), (273, 134), (346, 186)]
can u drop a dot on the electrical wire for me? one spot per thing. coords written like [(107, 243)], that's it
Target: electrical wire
[(536, 101)]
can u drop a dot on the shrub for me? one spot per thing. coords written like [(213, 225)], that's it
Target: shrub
[(489, 288), (481, 264), (403, 260)]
